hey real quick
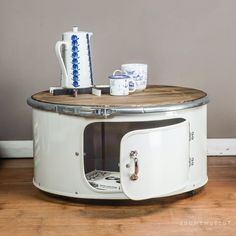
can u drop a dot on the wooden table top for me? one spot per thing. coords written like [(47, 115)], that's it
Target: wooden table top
[(154, 95)]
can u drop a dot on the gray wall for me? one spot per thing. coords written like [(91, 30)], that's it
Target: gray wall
[(184, 42)]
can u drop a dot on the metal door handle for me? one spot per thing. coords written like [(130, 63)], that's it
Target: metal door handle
[(133, 155)]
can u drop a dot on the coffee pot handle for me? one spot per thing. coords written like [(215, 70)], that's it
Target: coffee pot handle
[(59, 56)]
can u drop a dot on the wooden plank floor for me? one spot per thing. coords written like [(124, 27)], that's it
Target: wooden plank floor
[(24, 210)]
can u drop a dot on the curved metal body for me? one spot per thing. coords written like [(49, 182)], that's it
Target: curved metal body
[(59, 152)]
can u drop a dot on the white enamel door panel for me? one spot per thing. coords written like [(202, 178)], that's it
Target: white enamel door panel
[(154, 162)]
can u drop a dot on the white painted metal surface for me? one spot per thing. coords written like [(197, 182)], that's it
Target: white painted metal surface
[(59, 162), (162, 161)]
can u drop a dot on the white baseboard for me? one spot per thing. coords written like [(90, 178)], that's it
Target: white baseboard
[(16, 149), (221, 147), (24, 149)]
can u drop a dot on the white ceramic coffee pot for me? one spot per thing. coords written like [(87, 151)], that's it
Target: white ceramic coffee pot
[(75, 59)]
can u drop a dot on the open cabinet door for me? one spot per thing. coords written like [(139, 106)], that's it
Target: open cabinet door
[(154, 162)]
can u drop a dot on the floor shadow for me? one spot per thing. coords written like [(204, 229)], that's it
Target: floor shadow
[(117, 209)]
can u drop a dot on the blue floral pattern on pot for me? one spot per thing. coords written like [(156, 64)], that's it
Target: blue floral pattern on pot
[(75, 60), (89, 56)]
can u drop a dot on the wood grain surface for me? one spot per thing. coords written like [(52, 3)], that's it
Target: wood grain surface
[(26, 211), (152, 96)]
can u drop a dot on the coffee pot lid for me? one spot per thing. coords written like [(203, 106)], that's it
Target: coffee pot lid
[(75, 30)]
